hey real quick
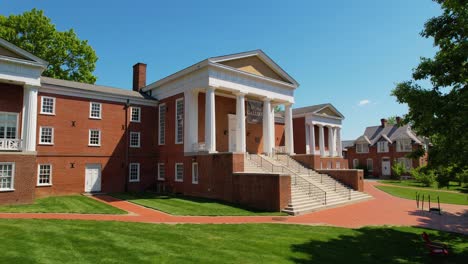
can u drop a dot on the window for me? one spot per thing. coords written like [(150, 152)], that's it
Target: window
[(162, 124), (382, 146), (44, 175), (370, 165), (135, 139), (179, 121), (195, 173), (46, 136), (408, 163), (8, 125), (135, 114), (161, 171), (95, 110), (404, 145), (362, 148), (7, 174), (47, 105), (179, 172), (94, 137), (134, 172), (355, 163)]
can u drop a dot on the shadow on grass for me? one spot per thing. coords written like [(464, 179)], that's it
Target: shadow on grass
[(381, 245)]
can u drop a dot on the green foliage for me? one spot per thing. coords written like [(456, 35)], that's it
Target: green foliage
[(416, 154), (391, 120), (398, 169), (278, 108), (440, 112), (69, 57), (423, 175)]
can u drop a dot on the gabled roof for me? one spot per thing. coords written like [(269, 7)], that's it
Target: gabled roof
[(363, 138), (26, 56), (390, 133), (316, 109)]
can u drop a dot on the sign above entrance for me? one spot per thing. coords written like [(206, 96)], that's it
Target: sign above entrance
[(254, 112)]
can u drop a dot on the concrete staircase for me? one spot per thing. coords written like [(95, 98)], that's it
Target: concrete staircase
[(310, 190)]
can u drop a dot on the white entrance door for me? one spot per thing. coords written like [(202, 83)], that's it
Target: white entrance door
[(232, 132), (93, 178), (386, 168)]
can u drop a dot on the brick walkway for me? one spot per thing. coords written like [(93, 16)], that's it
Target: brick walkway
[(384, 209)]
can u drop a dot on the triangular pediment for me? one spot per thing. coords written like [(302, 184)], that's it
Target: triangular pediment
[(9, 50), (8, 53), (329, 110)]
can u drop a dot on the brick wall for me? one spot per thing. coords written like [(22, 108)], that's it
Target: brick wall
[(24, 179), (352, 178)]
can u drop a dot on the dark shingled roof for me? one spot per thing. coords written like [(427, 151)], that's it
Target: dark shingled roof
[(392, 132)]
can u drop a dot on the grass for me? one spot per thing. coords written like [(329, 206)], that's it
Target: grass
[(69, 241), (445, 197), (63, 204), (453, 186), (184, 205)]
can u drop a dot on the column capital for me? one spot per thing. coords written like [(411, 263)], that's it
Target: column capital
[(240, 93), (288, 104), (266, 99), (211, 88)]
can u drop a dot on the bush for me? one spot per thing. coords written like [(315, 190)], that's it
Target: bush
[(424, 176), (398, 169)]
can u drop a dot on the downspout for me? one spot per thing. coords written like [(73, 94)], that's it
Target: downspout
[(127, 105)]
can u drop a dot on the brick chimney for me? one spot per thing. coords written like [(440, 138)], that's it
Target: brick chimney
[(139, 76), (398, 120), (383, 122)]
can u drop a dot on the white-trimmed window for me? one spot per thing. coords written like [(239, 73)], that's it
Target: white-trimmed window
[(362, 148), (179, 172), (94, 137), (134, 172), (408, 163), (44, 175), (95, 110), (404, 145), (195, 173), (7, 176), (8, 125), (135, 139), (47, 105), (162, 124), (161, 171), (370, 165), (135, 114), (355, 163), (382, 146), (179, 121), (46, 135)]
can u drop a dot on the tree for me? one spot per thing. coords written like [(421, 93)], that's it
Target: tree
[(69, 57), (440, 112), (391, 120)]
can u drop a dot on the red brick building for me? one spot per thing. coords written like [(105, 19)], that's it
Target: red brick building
[(382, 146)]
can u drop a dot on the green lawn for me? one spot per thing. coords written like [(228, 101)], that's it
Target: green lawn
[(445, 197), (68, 241), (63, 204), (183, 205), (453, 186)]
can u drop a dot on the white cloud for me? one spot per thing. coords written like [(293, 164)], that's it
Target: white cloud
[(364, 102)]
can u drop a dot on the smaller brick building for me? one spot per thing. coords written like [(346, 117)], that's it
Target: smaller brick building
[(381, 146)]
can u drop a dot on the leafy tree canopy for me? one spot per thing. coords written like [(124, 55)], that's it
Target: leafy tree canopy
[(69, 57), (440, 112)]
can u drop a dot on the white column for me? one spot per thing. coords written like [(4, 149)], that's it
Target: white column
[(240, 114), (331, 142), (267, 148), (272, 129), (321, 141), (307, 138), (311, 137), (190, 120), (288, 129), (29, 117), (339, 148), (210, 120)]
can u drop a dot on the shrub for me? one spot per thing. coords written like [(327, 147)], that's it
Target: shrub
[(398, 169), (424, 176)]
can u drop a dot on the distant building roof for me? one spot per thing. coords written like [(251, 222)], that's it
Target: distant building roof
[(347, 143), (389, 133)]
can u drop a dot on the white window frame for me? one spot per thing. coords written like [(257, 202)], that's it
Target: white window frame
[(130, 172), (399, 145), (91, 110), (12, 185), (159, 171), (139, 114), (371, 165), (139, 139), (51, 135), (175, 175), (355, 163), (39, 173), (360, 148), (382, 146), (181, 116), (408, 163), (195, 172), (89, 138), (162, 132), (42, 105), (17, 123)]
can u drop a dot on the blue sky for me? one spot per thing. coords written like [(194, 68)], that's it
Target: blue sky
[(348, 53)]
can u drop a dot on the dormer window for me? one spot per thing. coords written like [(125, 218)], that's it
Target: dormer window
[(362, 148), (382, 146), (404, 145)]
